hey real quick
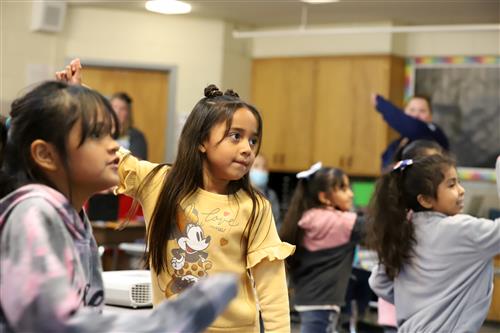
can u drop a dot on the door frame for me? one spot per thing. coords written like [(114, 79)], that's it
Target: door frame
[(170, 137)]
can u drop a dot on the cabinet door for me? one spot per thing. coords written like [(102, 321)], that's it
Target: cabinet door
[(369, 132), (282, 91), (349, 133), (333, 119)]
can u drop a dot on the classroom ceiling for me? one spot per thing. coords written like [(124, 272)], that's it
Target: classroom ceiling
[(274, 13)]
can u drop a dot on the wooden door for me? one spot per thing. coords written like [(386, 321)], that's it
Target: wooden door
[(282, 90), (149, 92)]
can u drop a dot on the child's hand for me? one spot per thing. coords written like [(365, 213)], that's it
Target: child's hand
[(72, 74)]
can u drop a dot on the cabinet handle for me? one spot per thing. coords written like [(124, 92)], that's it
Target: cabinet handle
[(349, 161), (341, 162)]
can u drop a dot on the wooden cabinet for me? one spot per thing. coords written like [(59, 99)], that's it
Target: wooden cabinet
[(348, 132), (282, 90), (322, 105)]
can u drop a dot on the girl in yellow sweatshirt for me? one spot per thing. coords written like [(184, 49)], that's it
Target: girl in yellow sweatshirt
[(203, 216)]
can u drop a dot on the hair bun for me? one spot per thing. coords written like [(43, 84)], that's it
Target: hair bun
[(212, 91), (232, 93)]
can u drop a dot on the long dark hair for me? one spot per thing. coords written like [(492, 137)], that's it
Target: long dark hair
[(48, 112), (186, 174), (389, 230), (305, 197), (418, 148)]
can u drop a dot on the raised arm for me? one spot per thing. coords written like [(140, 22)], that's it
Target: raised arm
[(132, 172), (405, 125)]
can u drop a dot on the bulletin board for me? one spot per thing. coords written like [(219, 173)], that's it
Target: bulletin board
[(465, 95)]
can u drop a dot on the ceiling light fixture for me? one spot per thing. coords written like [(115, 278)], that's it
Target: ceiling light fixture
[(168, 6)]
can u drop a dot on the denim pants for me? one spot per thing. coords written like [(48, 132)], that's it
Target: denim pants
[(318, 321)]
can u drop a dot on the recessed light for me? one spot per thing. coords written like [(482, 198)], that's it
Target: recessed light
[(168, 6)]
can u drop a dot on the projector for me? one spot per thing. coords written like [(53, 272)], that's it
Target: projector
[(128, 288)]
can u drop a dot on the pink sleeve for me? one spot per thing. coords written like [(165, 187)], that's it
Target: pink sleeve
[(328, 230)]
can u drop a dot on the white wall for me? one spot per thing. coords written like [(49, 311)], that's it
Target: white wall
[(404, 44), (195, 46), (447, 44), (237, 63), (323, 45), (24, 55)]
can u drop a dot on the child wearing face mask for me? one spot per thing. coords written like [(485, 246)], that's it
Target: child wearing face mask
[(319, 222), (259, 176)]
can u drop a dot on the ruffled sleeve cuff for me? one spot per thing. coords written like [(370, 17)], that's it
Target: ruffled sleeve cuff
[(277, 252)]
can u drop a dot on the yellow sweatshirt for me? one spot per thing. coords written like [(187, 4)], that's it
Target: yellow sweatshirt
[(209, 241)]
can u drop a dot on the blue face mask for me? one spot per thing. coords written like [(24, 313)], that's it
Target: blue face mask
[(259, 178)]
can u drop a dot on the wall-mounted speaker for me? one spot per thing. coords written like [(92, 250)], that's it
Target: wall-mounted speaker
[(48, 16)]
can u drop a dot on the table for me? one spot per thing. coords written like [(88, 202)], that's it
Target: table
[(109, 237), (121, 309), (106, 233)]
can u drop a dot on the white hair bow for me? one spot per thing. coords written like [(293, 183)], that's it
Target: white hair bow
[(401, 165), (305, 174)]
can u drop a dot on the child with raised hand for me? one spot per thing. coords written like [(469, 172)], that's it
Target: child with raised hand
[(435, 263), (58, 151), (412, 123), (320, 224), (203, 216)]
